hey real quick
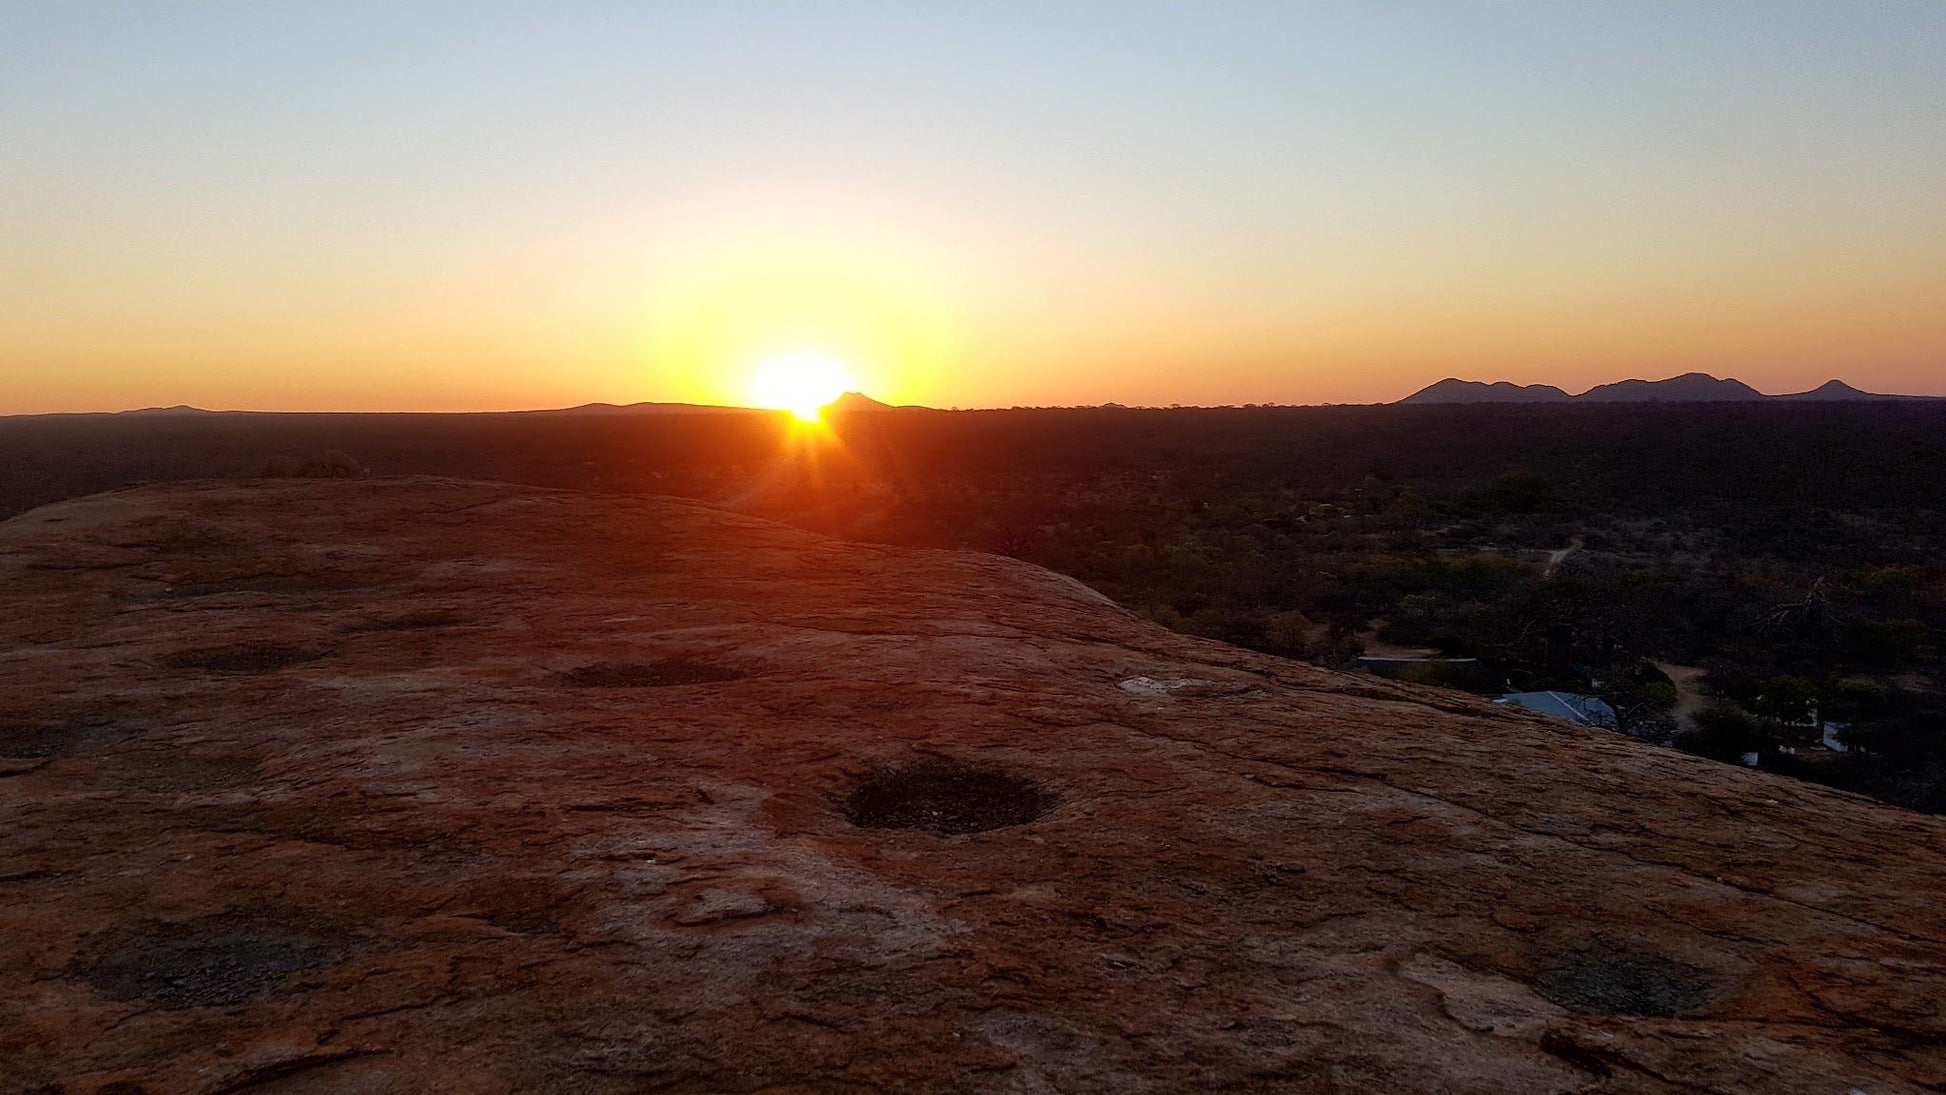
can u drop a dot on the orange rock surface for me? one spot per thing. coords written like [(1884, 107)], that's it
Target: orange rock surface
[(425, 785)]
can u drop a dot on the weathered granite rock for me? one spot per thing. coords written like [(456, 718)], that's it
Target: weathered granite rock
[(421, 785)]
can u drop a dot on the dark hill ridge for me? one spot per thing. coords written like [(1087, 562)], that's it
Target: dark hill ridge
[(403, 785), (858, 402), (849, 402), (175, 411), (1454, 390), (1835, 391), (1687, 388), (641, 409)]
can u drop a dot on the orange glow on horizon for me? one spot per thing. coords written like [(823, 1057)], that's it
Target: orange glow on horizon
[(803, 384), (1145, 204)]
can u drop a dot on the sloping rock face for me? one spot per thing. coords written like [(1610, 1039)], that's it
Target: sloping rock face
[(422, 785)]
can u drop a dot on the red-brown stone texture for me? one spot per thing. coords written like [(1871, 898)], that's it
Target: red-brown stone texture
[(437, 786)]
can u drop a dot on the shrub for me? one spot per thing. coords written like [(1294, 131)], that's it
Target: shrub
[(1722, 733), (332, 464)]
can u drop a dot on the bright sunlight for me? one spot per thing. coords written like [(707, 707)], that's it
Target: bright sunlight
[(802, 384)]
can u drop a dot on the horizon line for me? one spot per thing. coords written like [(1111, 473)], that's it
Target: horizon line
[(595, 406)]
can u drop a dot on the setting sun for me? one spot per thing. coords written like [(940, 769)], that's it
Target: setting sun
[(802, 384)]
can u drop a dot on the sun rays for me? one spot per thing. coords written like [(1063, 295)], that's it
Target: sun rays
[(801, 383)]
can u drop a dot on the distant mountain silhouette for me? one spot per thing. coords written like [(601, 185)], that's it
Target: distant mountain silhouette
[(1453, 390), (645, 409), (1687, 388), (854, 402), (1837, 391), (166, 412), (845, 404)]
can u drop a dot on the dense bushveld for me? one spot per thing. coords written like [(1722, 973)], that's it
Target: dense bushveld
[(1792, 553)]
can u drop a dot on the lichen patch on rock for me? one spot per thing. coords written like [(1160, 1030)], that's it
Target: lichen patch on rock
[(213, 961), (946, 797), (1607, 978), (243, 658), (663, 673), (28, 739)]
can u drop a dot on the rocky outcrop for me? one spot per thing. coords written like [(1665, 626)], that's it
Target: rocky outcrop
[(422, 785)]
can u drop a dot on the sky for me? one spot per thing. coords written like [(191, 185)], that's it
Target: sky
[(475, 205)]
